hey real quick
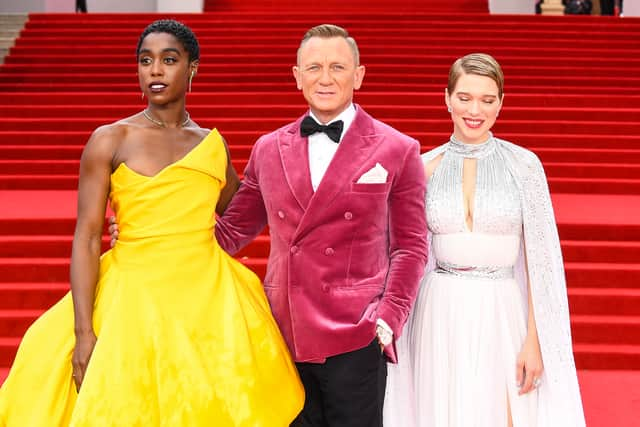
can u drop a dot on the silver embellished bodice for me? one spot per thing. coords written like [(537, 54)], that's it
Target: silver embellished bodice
[(497, 206)]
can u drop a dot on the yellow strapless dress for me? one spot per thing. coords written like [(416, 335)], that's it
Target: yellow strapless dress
[(185, 333)]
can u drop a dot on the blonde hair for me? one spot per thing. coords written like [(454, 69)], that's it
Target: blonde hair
[(328, 31), (480, 64)]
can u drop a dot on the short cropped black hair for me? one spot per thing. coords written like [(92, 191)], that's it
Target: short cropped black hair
[(177, 29)]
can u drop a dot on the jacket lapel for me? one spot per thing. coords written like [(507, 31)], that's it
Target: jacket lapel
[(295, 161), (355, 148)]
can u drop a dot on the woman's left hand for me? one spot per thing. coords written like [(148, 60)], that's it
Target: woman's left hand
[(529, 365)]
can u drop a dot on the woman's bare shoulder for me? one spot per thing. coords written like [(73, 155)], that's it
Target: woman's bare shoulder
[(431, 159), (106, 139)]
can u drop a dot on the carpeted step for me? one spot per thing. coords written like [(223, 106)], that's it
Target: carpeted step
[(80, 84), (588, 148), (41, 246), (8, 348), (268, 124), (604, 301), (604, 275), (59, 246), (38, 226), (587, 155), (433, 55), (65, 226), (592, 170), (38, 182), (415, 33), (419, 80), (622, 335), (56, 270), (361, 20), (274, 110), (207, 72), (556, 185), (58, 167), (29, 165), (14, 323), (42, 270), (407, 100), (611, 356), (31, 296), (594, 185), (603, 232), (545, 54), (580, 217), (600, 251), (610, 329)]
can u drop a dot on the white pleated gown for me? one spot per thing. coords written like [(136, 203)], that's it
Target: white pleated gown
[(478, 326), (457, 354)]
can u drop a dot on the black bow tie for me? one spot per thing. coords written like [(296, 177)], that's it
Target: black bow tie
[(333, 130)]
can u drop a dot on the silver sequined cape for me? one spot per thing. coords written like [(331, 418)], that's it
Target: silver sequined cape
[(559, 402)]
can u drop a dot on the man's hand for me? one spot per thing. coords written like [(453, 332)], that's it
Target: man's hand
[(385, 337), (113, 230)]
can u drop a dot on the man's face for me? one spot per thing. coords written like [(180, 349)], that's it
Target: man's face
[(327, 75)]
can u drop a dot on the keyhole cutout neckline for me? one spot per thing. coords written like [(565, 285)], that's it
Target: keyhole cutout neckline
[(468, 200), (471, 152)]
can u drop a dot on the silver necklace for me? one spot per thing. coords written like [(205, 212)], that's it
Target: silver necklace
[(161, 123)]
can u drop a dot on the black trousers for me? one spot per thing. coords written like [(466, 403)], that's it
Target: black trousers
[(607, 7), (81, 6), (345, 391)]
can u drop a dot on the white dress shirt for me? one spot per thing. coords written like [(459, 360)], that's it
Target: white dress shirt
[(321, 152), (322, 149)]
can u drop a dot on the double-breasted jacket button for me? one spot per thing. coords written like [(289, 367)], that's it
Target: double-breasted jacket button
[(281, 214), (348, 216), (329, 251), (325, 287), (294, 249)]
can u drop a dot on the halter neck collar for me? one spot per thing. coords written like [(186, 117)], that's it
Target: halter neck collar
[(474, 151)]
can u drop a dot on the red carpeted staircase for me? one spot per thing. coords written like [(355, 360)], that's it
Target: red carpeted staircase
[(572, 96)]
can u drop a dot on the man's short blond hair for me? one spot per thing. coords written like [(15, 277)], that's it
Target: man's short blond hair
[(328, 31)]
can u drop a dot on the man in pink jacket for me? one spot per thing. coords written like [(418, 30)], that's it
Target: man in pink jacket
[(343, 195)]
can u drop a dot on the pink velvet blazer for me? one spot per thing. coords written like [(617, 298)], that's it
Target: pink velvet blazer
[(341, 257)]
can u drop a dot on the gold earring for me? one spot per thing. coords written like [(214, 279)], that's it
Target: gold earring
[(193, 73), (142, 95)]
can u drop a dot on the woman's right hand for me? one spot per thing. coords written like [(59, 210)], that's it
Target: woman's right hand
[(113, 230), (81, 354)]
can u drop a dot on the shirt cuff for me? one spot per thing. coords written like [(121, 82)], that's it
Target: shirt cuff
[(384, 332)]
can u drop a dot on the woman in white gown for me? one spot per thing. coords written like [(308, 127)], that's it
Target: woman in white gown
[(489, 342)]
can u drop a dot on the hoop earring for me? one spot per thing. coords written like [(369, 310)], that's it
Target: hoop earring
[(193, 73)]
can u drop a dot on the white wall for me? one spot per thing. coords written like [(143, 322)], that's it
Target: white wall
[(60, 5), (180, 6), (512, 6), (26, 6), (22, 6), (121, 5), (631, 7)]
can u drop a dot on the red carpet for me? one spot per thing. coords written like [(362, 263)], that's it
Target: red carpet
[(571, 96)]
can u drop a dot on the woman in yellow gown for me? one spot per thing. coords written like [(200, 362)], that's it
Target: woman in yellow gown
[(165, 329)]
